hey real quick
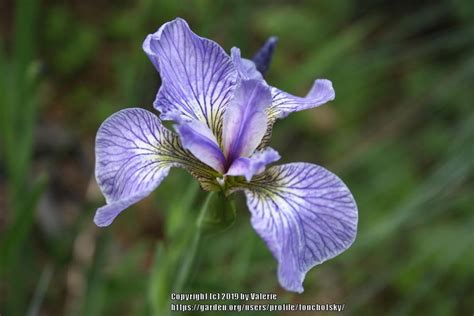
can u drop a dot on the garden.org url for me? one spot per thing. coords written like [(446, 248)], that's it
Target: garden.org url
[(257, 307)]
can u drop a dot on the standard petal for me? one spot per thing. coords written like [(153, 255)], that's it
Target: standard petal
[(263, 57), (197, 75), (196, 137), (284, 103), (245, 67), (245, 120), (305, 214), (248, 167)]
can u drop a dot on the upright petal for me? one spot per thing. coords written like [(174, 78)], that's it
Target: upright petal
[(245, 120), (263, 57), (305, 214), (255, 164), (196, 137), (245, 67), (133, 155), (282, 103), (197, 75)]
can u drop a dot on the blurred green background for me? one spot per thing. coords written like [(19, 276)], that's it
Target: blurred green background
[(400, 133)]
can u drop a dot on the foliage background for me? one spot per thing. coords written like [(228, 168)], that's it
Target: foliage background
[(400, 133)]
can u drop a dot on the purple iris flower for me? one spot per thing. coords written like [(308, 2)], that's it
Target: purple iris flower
[(224, 112)]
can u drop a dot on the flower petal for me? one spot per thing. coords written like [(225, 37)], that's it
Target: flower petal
[(245, 120), (106, 214), (305, 214), (245, 67), (248, 167), (196, 137), (284, 103), (263, 57), (134, 153), (197, 75)]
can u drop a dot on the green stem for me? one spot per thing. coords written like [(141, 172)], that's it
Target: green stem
[(40, 292), (188, 261)]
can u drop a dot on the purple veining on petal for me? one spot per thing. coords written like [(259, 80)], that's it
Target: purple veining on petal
[(255, 164), (245, 67), (305, 214), (263, 57), (284, 103), (196, 137), (129, 162), (245, 120), (197, 75)]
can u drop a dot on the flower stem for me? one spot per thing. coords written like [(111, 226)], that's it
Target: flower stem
[(188, 260)]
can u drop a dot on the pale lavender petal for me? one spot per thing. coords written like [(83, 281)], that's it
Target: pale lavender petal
[(245, 120), (284, 103), (248, 167), (196, 137), (305, 214), (245, 67), (263, 57), (197, 75), (133, 155)]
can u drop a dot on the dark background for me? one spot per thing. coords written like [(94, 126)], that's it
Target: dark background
[(400, 134)]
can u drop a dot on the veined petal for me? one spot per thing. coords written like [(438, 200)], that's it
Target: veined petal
[(284, 103), (248, 167), (245, 120), (245, 67), (263, 57), (197, 75), (130, 161), (196, 137), (134, 153), (305, 214)]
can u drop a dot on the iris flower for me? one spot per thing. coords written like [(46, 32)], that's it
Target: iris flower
[(224, 112)]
